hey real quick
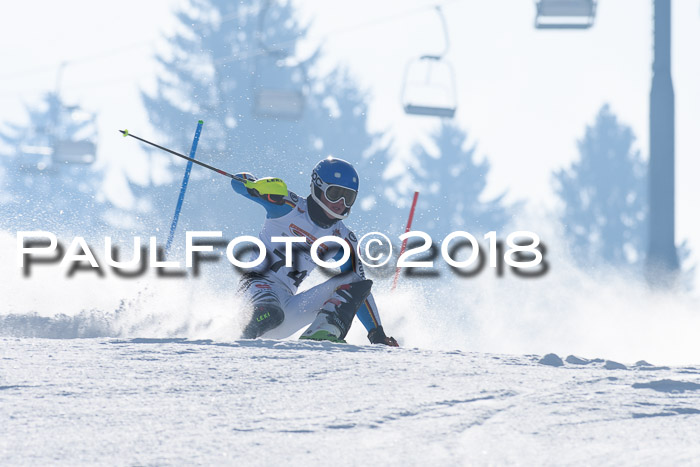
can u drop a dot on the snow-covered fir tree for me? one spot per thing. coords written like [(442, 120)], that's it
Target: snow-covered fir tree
[(605, 194), (452, 184), (266, 109)]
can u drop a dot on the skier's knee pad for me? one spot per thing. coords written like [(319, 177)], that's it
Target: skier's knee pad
[(266, 316)]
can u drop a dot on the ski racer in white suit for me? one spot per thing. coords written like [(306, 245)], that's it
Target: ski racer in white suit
[(328, 308)]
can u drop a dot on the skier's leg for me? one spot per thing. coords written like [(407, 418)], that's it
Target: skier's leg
[(264, 295), (301, 309), (336, 313)]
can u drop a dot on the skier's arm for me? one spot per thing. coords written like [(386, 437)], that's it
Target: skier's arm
[(275, 205), (367, 313)]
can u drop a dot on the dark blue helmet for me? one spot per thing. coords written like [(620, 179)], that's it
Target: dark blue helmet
[(335, 179)]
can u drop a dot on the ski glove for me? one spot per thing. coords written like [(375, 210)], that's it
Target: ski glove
[(377, 336), (249, 178), (270, 189)]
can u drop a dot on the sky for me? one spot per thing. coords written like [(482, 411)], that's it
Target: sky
[(524, 95)]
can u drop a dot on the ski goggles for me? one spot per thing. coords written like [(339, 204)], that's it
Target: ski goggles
[(335, 193)]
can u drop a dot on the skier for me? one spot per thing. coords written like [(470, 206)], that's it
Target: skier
[(328, 308)]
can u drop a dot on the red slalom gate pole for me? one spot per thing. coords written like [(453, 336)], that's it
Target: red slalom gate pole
[(403, 245)]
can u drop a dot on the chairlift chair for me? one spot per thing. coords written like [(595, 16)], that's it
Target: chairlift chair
[(282, 103), (273, 100), (74, 152), (78, 145), (565, 14), (429, 86)]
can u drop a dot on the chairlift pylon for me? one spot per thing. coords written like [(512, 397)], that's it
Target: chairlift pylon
[(429, 86), (277, 101), (565, 14)]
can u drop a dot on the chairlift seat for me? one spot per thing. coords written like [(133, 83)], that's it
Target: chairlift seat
[(445, 112), (429, 88), (74, 152), (275, 65), (565, 14), (280, 103)]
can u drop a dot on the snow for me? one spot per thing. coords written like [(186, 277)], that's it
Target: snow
[(178, 401), (150, 372)]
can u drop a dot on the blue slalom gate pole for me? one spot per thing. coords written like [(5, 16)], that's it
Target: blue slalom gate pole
[(183, 188)]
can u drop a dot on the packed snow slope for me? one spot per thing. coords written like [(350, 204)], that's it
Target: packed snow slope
[(594, 312), (177, 401), (106, 370)]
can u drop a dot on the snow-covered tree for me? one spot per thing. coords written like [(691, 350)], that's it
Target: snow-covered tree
[(605, 194), (452, 185), (265, 107), (605, 198)]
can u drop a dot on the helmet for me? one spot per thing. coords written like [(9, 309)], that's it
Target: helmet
[(334, 179)]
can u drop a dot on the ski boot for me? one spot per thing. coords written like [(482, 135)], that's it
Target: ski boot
[(266, 316)]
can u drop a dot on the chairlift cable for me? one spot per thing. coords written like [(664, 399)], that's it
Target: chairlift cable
[(85, 59), (326, 36), (242, 57), (389, 18)]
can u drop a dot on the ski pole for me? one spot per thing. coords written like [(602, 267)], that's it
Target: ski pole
[(264, 186), (403, 245), (219, 171), (183, 188)]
